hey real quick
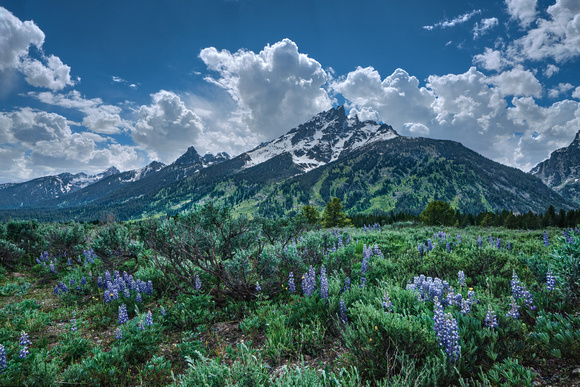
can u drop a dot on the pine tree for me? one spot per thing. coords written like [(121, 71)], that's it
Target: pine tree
[(333, 215)]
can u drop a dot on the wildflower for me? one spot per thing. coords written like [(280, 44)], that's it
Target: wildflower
[(163, 313), (445, 327), (466, 306), (56, 291), (149, 289), (291, 285), (3, 362), (517, 289), (72, 282), (429, 244), (100, 282), (546, 240), (346, 286), (63, 287), (197, 282), (138, 298), (387, 304), (458, 238), (24, 342), (490, 318), (123, 316), (107, 296), (479, 241), (461, 277), (149, 319), (509, 246), (52, 269), (73, 321), (83, 281), (550, 280), (420, 248), (141, 325), (342, 312), (107, 276), (513, 313), (498, 243), (127, 293), (323, 284), (308, 282), (118, 333), (448, 247)]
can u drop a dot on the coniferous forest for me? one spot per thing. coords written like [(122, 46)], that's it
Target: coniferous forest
[(212, 298)]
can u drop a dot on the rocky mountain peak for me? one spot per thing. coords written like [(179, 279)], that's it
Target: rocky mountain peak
[(189, 157)]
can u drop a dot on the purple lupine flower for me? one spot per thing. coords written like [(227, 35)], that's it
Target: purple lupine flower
[(73, 321), (125, 276), (308, 282), (466, 306), (63, 287), (491, 240), (107, 276), (458, 238), (363, 281), (149, 319), (3, 361), (52, 268), (258, 288), (387, 304), (479, 241), (83, 281), (323, 283), (24, 342), (461, 277), (546, 239), (445, 327), (291, 285), (127, 293), (490, 318), (377, 250), (162, 310), (100, 282), (513, 313), (118, 333), (448, 247), (342, 312), (72, 282), (197, 282), (498, 243), (69, 262), (141, 325), (138, 298), (107, 296), (346, 286), (123, 316), (149, 289), (509, 246), (429, 244), (56, 290), (516, 287), (550, 281), (528, 299)]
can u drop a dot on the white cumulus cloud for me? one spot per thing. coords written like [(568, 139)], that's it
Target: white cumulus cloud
[(453, 22), (16, 37), (484, 26), (276, 89), (524, 11), (166, 128)]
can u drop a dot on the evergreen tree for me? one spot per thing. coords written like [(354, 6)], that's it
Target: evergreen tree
[(333, 215), (438, 213), (311, 214)]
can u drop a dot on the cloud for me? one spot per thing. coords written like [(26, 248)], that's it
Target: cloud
[(524, 11), (453, 22), (556, 37), (576, 93), (16, 37), (484, 26), (551, 70), (491, 60), (35, 143), (518, 82), (471, 107), (166, 128), (398, 99), (99, 117), (275, 89), (560, 89)]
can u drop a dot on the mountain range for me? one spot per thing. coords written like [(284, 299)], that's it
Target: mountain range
[(366, 164)]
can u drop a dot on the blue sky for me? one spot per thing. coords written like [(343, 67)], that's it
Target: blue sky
[(86, 85)]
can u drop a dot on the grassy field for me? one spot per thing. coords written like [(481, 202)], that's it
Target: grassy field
[(399, 305)]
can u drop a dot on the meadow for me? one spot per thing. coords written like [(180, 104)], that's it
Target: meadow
[(207, 298)]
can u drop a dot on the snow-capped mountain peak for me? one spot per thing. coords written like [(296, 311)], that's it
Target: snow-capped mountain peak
[(322, 139)]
